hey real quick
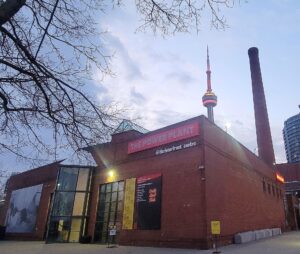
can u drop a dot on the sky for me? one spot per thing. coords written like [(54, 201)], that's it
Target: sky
[(161, 80)]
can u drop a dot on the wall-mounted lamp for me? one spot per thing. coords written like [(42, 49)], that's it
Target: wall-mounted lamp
[(111, 175)]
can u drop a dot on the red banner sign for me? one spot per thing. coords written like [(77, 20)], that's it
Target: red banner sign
[(164, 137)]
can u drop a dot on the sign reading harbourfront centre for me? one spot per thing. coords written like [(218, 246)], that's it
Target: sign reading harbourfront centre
[(175, 148), (164, 137)]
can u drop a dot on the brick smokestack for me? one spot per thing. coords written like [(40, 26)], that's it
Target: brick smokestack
[(263, 132)]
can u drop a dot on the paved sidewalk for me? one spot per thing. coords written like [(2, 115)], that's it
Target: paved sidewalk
[(288, 243)]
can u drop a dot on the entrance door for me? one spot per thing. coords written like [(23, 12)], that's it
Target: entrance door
[(110, 206)]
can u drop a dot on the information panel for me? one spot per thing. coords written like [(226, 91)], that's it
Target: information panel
[(148, 201), (129, 203), (215, 227)]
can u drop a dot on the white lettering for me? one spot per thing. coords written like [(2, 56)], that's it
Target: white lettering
[(175, 148)]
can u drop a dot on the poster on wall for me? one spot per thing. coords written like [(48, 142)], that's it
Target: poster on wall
[(148, 201), (129, 203), (22, 210)]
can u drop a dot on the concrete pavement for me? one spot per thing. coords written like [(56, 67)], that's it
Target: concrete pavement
[(288, 243)]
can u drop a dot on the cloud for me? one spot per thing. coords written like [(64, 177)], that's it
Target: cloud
[(167, 117), (132, 69), (182, 77), (136, 96)]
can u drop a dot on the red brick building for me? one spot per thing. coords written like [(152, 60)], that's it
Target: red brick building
[(162, 188), (206, 176)]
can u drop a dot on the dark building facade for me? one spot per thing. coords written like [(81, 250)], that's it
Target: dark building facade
[(291, 174), (291, 135)]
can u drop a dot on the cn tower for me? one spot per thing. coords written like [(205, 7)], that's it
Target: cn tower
[(209, 99)]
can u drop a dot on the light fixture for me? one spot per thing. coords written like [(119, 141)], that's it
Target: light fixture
[(111, 173)]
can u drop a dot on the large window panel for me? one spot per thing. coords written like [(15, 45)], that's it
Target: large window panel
[(78, 204), (59, 228), (63, 204), (67, 179), (69, 209), (82, 180)]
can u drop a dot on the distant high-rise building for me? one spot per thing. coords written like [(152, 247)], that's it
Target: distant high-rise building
[(291, 135)]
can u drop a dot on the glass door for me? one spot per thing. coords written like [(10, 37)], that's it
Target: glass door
[(68, 217), (110, 207)]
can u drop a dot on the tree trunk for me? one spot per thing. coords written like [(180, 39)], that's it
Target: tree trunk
[(9, 8)]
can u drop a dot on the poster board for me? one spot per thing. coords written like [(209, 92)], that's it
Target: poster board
[(148, 202)]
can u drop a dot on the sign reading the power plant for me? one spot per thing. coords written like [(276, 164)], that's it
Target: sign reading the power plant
[(129, 203), (164, 137), (148, 201), (215, 227)]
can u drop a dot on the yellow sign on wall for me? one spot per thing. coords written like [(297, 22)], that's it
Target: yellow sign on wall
[(129, 203), (215, 227)]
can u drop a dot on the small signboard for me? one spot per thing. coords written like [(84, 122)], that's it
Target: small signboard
[(112, 232), (215, 227)]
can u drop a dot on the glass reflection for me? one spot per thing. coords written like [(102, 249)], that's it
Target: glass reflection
[(63, 204), (67, 179)]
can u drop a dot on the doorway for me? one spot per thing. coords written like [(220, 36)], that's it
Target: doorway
[(110, 207)]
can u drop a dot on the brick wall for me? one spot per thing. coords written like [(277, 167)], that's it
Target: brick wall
[(219, 179), (290, 171), (182, 217), (234, 186)]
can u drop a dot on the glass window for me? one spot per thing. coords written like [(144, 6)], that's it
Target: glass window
[(115, 186), (67, 179), (102, 189), (108, 210), (67, 218), (121, 195), (121, 185), (120, 206), (63, 204), (59, 229), (108, 187), (83, 178), (113, 206), (112, 216), (114, 196), (102, 197), (106, 207), (107, 198), (78, 204), (105, 216)]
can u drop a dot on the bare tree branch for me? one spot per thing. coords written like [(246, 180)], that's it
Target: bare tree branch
[(49, 50)]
